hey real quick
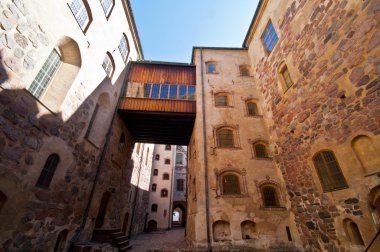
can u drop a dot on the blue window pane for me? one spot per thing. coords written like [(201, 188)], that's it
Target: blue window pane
[(147, 88), (182, 91), (155, 91), (191, 92), (164, 91), (211, 68), (173, 92), (270, 38)]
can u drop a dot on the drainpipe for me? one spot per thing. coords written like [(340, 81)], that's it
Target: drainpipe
[(79, 230), (205, 157)]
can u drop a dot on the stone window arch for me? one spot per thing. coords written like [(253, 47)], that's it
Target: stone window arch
[(100, 119), (221, 231), (165, 176), (285, 77), (54, 79), (352, 232), (154, 208), (154, 187), (164, 193), (108, 64), (61, 241), (260, 149), (231, 182), (226, 137), (244, 70), (124, 47), (222, 99), (270, 195), (167, 161), (48, 171), (82, 13), (3, 199), (211, 67), (107, 6), (329, 171), (366, 153), (248, 229)]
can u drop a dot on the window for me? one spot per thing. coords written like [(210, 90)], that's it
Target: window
[(244, 70), (108, 65), (124, 47), (173, 92), (82, 13), (155, 172), (107, 6), (329, 171), (45, 75), (191, 92), (179, 158), (164, 193), (221, 100), (225, 138), (167, 161), (154, 187), (165, 176), (180, 183), (260, 151), (352, 232), (168, 147), (48, 171), (252, 108), (230, 184), (285, 75), (164, 94), (157, 157), (269, 37), (3, 199), (270, 197), (154, 208), (147, 157), (122, 146), (211, 67)]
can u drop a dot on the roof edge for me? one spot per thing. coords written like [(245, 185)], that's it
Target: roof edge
[(214, 48), (132, 24), (260, 5), (152, 62)]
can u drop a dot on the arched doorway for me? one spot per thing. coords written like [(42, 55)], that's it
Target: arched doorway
[(125, 223), (152, 225), (179, 214), (102, 209)]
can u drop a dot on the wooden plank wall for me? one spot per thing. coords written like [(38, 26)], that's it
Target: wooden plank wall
[(161, 74), (143, 104)]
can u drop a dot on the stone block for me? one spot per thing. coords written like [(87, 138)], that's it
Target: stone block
[(21, 7), (5, 24), (7, 40), (21, 40)]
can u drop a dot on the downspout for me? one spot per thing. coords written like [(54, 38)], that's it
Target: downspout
[(205, 157), (79, 230), (171, 188)]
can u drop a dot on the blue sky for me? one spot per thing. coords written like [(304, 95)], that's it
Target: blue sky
[(169, 29)]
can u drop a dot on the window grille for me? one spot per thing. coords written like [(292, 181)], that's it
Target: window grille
[(261, 151), (221, 100), (230, 184), (270, 197), (225, 138)]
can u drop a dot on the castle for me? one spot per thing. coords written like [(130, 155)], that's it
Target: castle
[(282, 133)]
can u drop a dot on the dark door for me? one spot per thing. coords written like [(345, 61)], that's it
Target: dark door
[(102, 209), (152, 226), (125, 223)]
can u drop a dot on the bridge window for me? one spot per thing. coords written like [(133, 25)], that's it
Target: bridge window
[(147, 88), (173, 91), (164, 91), (155, 91), (182, 92), (191, 92)]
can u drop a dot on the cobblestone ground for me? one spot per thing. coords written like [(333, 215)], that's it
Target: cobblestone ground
[(168, 240)]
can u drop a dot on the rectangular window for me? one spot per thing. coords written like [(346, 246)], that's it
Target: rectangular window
[(269, 37), (155, 91), (211, 68), (164, 91), (147, 88), (180, 183), (45, 75), (80, 13), (106, 5), (285, 74), (191, 92), (182, 92), (173, 92), (178, 158)]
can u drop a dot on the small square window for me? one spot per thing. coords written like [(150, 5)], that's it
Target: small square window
[(155, 172), (211, 67), (269, 37), (157, 157), (167, 161), (168, 147)]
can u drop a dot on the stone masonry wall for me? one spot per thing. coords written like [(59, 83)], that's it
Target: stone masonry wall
[(332, 51)]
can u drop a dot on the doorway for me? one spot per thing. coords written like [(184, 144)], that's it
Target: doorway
[(102, 209)]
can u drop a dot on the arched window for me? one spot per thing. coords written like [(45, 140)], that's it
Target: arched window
[(352, 232), (244, 70), (155, 172), (124, 47), (329, 171), (222, 100), (61, 241), (230, 184), (366, 153), (122, 144), (154, 187), (82, 13), (270, 197), (57, 74), (154, 208), (225, 138), (107, 6), (165, 176), (167, 161), (179, 159), (252, 108), (164, 193), (48, 171), (3, 199), (108, 65), (260, 150)]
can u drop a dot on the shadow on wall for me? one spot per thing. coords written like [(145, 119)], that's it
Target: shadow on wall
[(3, 72)]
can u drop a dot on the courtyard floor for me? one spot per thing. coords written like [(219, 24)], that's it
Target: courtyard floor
[(167, 240)]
